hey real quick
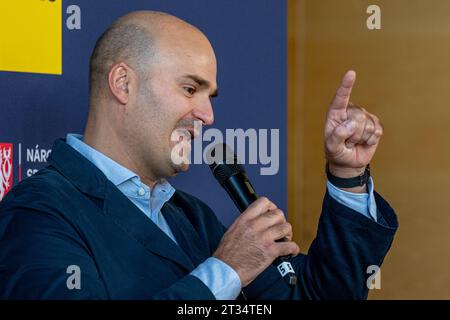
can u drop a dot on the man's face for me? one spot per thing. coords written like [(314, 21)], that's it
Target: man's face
[(177, 92)]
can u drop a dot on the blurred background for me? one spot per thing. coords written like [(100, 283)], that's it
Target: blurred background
[(403, 76)]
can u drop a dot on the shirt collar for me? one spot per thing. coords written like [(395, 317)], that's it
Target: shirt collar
[(113, 171)]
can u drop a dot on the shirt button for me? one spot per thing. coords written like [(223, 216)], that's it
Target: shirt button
[(141, 191)]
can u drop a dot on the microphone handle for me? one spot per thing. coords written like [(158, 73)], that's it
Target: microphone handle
[(242, 193)]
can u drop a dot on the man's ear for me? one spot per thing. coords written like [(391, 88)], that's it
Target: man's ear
[(119, 81)]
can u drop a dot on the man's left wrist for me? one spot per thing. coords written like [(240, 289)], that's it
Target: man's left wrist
[(348, 179), (345, 172)]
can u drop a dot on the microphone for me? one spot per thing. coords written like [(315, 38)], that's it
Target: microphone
[(231, 175)]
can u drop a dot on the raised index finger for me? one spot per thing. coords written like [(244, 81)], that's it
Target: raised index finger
[(342, 97)]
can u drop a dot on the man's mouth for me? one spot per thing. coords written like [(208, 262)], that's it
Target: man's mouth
[(194, 133)]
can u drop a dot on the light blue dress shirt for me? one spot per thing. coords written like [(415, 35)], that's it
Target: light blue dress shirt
[(363, 203), (220, 278)]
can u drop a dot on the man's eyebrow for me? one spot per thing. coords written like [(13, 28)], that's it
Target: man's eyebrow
[(201, 82)]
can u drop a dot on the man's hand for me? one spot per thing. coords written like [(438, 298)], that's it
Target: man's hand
[(249, 245), (351, 133)]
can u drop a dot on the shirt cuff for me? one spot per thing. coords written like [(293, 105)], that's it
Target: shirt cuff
[(219, 277), (363, 203)]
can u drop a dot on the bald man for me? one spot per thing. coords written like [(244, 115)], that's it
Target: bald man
[(102, 222)]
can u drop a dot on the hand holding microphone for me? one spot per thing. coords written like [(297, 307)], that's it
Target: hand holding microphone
[(258, 237)]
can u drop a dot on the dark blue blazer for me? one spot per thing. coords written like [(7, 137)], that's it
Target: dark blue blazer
[(70, 214)]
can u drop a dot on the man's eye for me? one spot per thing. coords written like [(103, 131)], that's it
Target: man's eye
[(189, 90)]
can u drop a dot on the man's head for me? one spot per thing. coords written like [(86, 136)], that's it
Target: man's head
[(150, 73)]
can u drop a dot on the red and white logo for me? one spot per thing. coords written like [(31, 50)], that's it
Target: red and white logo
[(6, 168)]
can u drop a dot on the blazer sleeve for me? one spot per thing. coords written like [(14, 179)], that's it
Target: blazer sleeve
[(336, 266)]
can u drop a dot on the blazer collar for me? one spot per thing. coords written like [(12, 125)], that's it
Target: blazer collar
[(77, 169)]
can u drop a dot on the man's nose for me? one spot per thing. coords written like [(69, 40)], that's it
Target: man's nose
[(204, 112)]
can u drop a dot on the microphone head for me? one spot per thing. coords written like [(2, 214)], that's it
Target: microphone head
[(223, 162)]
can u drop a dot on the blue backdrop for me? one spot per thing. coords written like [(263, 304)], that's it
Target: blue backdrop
[(249, 38)]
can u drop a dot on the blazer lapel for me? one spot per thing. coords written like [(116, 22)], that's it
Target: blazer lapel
[(133, 221), (187, 237)]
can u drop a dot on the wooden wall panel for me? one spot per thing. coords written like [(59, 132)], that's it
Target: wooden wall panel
[(403, 76)]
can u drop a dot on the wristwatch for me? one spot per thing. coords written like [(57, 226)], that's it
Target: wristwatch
[(357, 181)]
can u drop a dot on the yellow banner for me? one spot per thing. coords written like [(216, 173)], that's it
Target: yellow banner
[(31, 36)]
